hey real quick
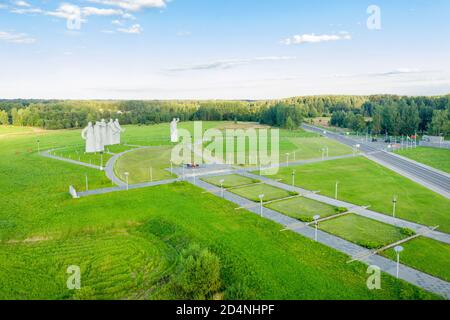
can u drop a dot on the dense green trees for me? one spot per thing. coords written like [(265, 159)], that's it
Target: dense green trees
[(4, 117), (377, 114)]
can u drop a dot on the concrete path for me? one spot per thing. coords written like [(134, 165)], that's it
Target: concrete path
[(408, 274), (51, 156), (124, 187)]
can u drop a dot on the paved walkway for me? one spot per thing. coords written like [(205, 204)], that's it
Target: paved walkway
[(51, 156), (124, 187)]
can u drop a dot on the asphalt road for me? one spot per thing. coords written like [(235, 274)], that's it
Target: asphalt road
[(428, 177)]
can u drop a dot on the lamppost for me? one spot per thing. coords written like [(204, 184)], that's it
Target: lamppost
[(287, 159), (294, 155), (261, 196), (336, 190), (171, 167), (293, 178), (221, 187), (316, 218), (151, 174), (38, 145), (182, 171), (397, 250), (126, 178), (394, 204), (87, 183)]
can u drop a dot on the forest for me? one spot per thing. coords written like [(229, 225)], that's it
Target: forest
[(378, 114)]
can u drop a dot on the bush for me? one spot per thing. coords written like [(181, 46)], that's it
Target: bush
[(340, 209), (407, 232), (199, 277), (293, 193)]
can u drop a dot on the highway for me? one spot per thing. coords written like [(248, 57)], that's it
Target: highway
[(428, 177)]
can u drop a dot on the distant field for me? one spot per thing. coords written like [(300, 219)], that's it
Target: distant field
[(4, 130), (427, 255), (253, 192), (363, 231), (302, 208), (364, 182), (433, 157), (229, 181)]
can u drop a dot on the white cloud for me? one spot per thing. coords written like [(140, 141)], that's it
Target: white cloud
[(19, 38), (133, 5), (313, 38), (89, 11), (134, 29), (22, 4), (65, 11), (117, 22), (26, 10), (226, 64)]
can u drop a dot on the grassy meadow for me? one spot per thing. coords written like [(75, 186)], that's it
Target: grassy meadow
[(303, 209), (433, 157), (129, 244)]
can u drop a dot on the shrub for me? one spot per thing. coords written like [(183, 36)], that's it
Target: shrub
[(340, 209), (293, 193), (199, 277), (407, 232)]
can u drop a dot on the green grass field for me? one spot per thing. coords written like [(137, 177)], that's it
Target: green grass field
[(302, 208), (364, 182), (425, 254), (128, 244), (270, 193), (433, 157), (144, 165), (230, 180), (365, 232)]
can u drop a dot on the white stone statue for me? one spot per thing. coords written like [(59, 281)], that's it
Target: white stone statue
[(110, 128), (103, 133), (88, 135), (117, 132), (99, 146), (174, 130)]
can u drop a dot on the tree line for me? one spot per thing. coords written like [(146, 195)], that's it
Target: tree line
[(379, 114), (397, 116)]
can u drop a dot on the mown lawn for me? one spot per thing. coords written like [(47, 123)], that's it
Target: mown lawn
[(230, 180), (363, 231), (144, 165), (302, 208), (364, 182), (436, 158), (127, 242), (425, 254), (270, 193)]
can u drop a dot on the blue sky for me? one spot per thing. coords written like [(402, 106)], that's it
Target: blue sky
[(221, 49)]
